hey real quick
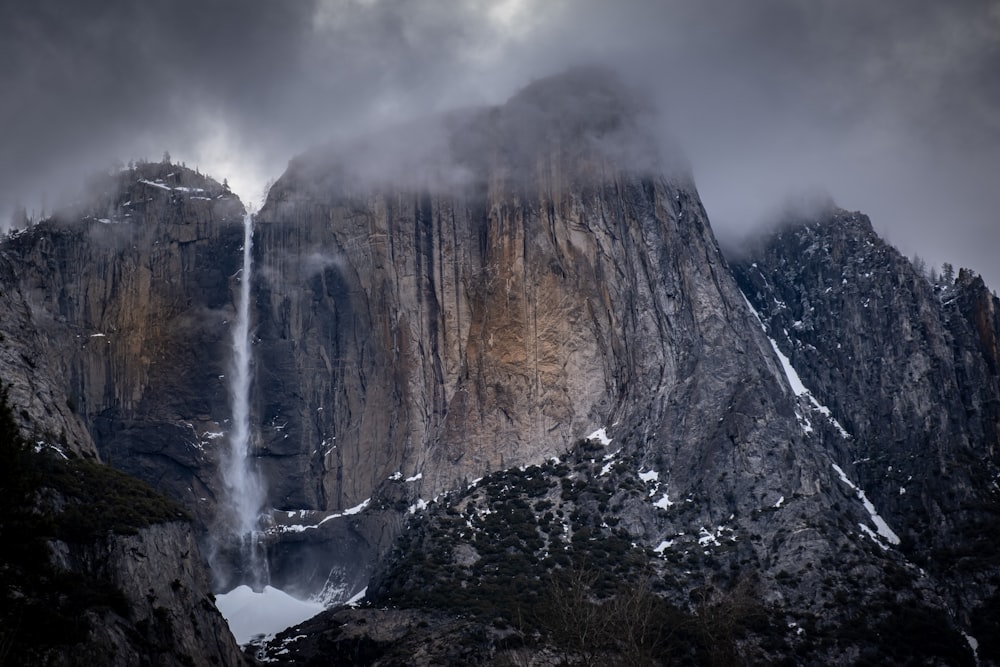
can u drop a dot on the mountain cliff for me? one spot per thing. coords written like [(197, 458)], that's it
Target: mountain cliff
[(466, 320), (504, 378), (115, 345), (908, 365), (448, 329), (882, 549), (486, 323), (111, 350)]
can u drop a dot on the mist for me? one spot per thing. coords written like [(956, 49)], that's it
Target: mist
[(890, 108)]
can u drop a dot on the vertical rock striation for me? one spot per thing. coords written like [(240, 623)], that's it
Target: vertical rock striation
[(116, 340), (454, 326)]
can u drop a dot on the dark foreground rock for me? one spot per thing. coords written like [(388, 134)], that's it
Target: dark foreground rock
[(97, 568)]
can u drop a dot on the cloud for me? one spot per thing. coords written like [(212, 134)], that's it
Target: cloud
[(586, 115), (85, 83), (892, 107)]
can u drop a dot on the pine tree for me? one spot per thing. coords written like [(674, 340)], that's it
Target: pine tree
[(947, 274)]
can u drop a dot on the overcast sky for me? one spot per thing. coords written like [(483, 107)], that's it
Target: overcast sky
[(890, 107)]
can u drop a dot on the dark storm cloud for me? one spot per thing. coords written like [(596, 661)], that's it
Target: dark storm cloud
[(85, 82), (891, 107)]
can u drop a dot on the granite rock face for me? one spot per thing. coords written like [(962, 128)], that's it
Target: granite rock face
[(116, 340), (35, 382), (768, 466), (114, 347), (489, 319), (172, 619), (451, 329), (908, 365)]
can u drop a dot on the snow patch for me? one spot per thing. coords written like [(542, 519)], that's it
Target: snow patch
[(874, 537), (825, 411), (267, 613), (973, 644), (161, 186), (299, 528), (348, 512), (41, 444), (652, 478), (421, 504), (664, 502), (608, 458), (880, 525), (663, 546), (601, 436), (357, 597), (795, 382), (705, 538), (803, 422), (294, 528), (708, 537)]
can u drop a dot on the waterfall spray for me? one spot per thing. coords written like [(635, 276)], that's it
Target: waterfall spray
[(243, 484)]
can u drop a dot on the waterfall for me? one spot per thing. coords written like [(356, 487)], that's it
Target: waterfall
[(243, 485)]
